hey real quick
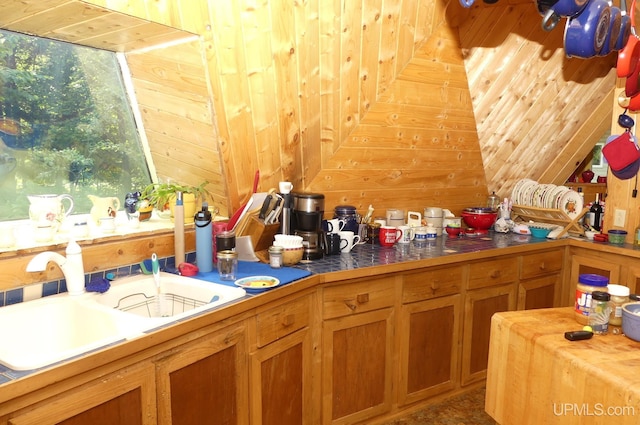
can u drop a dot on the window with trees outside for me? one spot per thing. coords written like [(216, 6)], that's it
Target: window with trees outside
[(66, 125)]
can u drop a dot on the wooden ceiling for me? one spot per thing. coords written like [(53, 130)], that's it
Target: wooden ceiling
[(84, 23)]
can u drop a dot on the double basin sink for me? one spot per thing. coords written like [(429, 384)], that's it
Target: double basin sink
[(42, 332)]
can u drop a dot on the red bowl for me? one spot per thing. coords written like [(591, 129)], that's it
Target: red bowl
[(453, 231), (480, 221)]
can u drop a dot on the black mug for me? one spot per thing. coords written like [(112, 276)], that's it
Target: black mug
[(225, 241), (332, 245)]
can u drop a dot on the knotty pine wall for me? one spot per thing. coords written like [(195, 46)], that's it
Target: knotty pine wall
[(397, 103)]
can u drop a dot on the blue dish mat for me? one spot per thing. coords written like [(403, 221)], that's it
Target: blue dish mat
[(246, 268)]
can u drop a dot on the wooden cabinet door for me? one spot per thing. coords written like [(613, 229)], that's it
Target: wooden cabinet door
[(282, 382), (480, 305), (357, 366), (125, 397), (541, 292), (429, 333), (205, 381)]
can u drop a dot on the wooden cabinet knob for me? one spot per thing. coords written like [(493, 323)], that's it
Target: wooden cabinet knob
[(542, 266), (362, 298), (288, 320), (495, 274)]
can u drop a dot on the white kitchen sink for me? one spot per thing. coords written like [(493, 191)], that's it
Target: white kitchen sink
[(41, 332), (179, 296)]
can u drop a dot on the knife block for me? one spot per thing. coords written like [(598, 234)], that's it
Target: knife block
[(262, 236)]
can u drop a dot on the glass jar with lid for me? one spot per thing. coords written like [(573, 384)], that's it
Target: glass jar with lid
[(599, 312), (619, 295), (227, 264)]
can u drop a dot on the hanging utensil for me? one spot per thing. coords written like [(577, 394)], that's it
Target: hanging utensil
[(628, 56)]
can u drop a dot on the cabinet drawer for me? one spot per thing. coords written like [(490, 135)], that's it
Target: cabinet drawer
[(282, 320), (432, 283), (357, 297), (540, 264), (493, 272)]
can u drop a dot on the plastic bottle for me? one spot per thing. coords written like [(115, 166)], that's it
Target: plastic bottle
[(204, 239), (587, 283), (178, 229)]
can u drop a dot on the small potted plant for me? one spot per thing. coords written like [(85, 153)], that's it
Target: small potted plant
[(162, 197)]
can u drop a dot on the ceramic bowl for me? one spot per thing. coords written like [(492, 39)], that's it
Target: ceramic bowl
[(538, 232), (453, 231), (589, 234), (292, 256), (631, 320), (479, 218)]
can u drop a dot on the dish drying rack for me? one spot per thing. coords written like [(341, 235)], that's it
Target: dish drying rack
[(551, 216), (149, 306)]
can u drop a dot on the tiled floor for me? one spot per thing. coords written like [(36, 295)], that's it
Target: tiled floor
[(466, 409)]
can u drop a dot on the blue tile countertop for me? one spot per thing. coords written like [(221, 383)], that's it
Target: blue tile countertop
[(366, 255)]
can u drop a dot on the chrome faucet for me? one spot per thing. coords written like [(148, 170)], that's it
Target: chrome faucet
[(71, 266)]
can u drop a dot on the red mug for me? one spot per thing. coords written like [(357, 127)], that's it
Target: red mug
[(389, 235)]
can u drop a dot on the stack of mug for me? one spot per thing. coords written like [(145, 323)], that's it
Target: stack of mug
[(434, 216), (338, 240)]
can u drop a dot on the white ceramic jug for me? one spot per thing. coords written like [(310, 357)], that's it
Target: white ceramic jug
[(103, 207), (48, 210)]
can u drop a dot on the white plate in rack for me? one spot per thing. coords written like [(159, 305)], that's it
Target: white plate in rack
[(572, 203)]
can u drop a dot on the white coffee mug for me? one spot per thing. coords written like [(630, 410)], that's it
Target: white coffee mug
[(407, 234), (335, 225), (350, 238), (285, 187)]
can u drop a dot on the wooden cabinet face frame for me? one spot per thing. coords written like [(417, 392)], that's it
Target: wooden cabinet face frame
[(429, 348), (283, 376), (357, 367), (479, 306), (183, 370), (93, 401)]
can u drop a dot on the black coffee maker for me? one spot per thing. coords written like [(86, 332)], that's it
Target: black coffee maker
[(308, 210)]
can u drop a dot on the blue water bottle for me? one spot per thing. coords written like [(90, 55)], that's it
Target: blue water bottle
[(204, 239)]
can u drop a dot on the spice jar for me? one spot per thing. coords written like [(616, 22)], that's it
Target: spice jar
[(619, 295), (587, 283), (599, 312), (275, 256), (227, 264)]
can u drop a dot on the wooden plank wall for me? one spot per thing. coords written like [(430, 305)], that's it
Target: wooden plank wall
[(402, 103)]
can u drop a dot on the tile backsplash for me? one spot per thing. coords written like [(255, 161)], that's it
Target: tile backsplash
[(45, 289)]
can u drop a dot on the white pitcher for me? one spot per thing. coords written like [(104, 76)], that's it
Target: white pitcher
[(48, 210), (103, 207)]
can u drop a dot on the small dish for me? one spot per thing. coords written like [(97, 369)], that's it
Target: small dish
[(257, 283)]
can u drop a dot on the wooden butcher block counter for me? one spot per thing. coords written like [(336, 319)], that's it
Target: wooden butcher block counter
[(536, 376)]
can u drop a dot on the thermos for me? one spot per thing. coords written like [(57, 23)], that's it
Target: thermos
[(204, 239)]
